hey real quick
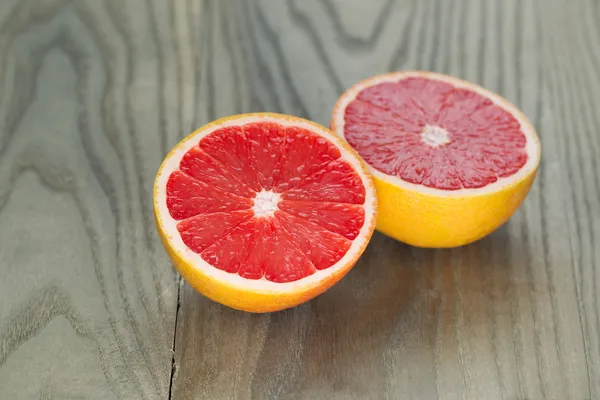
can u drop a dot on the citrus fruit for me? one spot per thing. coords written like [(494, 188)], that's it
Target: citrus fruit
[(451, 161), (262, 212)]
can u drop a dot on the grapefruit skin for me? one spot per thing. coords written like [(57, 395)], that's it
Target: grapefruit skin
[(434, 219), (270, 298), (430, 221)]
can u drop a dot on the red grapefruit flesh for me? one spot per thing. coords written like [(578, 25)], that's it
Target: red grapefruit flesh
[(431, 133), (267, 199)]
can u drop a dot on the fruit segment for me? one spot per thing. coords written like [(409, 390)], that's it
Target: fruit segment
[(232, 149), (284, 262), (336, 181), (187, 197), (266, 141), (322, 247), (239, 251), (341, 218), (199, 165), (200, 231), (304, 153)]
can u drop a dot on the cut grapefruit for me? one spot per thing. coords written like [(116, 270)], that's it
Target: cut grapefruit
[(451, 161), (262, 212)]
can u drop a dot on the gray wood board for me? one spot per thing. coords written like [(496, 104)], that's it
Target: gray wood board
[(88, 298), (94, 93), (512, 316)]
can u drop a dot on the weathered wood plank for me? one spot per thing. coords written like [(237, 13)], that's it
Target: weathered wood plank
[(92, 94), (513, 316)]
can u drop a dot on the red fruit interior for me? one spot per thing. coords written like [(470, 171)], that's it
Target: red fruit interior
[(314, 212), (431, 133)]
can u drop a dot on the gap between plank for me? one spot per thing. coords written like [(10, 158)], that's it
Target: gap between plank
[(173, 365)]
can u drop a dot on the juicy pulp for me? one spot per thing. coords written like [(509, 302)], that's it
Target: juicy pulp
[(308, 210), (431, 133)]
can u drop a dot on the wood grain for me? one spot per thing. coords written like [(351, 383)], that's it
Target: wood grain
[(93, 93), (511, 317), (88, 107)]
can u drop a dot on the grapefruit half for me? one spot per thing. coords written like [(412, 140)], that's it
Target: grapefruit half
[(262, 212), (451, 160)]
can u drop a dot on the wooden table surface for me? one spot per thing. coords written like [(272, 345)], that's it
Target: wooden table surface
[(93, 93)]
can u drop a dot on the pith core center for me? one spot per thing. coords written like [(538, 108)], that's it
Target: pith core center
[(435, 136), (265, 203)]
